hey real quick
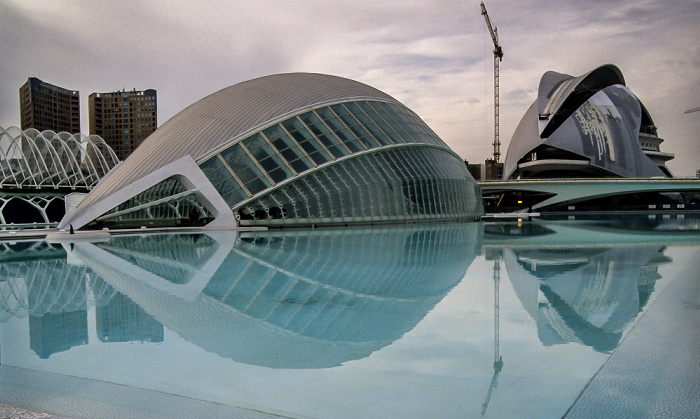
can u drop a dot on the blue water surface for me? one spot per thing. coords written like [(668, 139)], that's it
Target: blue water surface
[(491, 319)]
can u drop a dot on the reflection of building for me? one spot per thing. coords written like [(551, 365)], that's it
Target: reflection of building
[(63, 324), (587, 292), (37, 281), (57, 332), (586, 296), (44, 106), (299, 149), (589, 126), (124, 119), (120, 320), (289, 299)]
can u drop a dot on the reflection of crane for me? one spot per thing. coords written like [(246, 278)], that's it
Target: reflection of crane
[(497, 57), (497, 359), (692, 110)]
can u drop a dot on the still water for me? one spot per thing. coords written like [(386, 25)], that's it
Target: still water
[(503, 319)]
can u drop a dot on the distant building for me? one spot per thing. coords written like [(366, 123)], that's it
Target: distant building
[(492, 170), (124, 118), (474, 170), (44, 106)]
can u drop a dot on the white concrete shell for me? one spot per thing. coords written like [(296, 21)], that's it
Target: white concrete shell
[(586, 126)]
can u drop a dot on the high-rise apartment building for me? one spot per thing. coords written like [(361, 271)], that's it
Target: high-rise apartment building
[(47, 107), (123, 118)]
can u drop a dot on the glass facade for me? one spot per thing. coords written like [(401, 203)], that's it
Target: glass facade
[(410, 183), (358, 161)]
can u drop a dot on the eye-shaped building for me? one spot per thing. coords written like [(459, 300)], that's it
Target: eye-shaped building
[(591, 126), (290, 149)]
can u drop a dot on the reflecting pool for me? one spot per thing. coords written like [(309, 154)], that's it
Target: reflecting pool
[(492, 319)]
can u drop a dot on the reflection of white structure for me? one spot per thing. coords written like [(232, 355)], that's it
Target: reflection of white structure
[(297, 148), (584, 293), (46, 282), (289, 299)]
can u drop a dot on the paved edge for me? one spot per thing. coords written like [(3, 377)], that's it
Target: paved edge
[(653, 373)]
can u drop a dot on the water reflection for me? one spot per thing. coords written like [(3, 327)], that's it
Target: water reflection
[(321, 298), (585, 280), (314, 299), (288, 299)]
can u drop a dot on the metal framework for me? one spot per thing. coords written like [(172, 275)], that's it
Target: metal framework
[(31, 159), (497, 58)]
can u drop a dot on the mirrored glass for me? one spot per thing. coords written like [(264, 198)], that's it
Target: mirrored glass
[(292, 154)]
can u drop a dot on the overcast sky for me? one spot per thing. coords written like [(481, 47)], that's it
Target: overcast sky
[(433, 56)]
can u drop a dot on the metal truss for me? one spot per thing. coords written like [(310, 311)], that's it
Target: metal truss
[(31, 159)]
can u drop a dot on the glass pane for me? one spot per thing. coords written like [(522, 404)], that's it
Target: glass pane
[(275, 165), (368, 142), (339, 109), (232, 153), (301, 135), (240, 163), (253, 142), (349, 140), (333, 145), (292, 154), (271, 163), (353, 108), (235, 196), (280, 174), (257, 185), (249, 174), (309, 118), (318, 129), (292, 124), (219, 175), (273, 132), (211, 165)]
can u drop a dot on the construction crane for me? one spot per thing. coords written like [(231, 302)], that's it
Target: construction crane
[(497, 58)]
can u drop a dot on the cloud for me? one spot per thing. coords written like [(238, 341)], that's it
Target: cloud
[(435, 57)]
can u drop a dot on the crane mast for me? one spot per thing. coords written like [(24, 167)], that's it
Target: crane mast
[(497, 58)]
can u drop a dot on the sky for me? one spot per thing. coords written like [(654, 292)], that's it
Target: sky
[(436, 57)]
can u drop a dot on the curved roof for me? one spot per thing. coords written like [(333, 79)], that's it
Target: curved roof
[(560, 94), (221, 117), (593, 118)]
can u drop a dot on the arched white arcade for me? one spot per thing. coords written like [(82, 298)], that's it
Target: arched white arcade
[(33, 159)]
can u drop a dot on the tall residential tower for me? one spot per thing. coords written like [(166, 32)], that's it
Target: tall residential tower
[(123, 118), (47, 107)]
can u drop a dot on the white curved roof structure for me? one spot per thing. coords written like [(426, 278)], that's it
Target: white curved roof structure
[(586, 126), (297, 148), (49, 160), (223, 116)]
